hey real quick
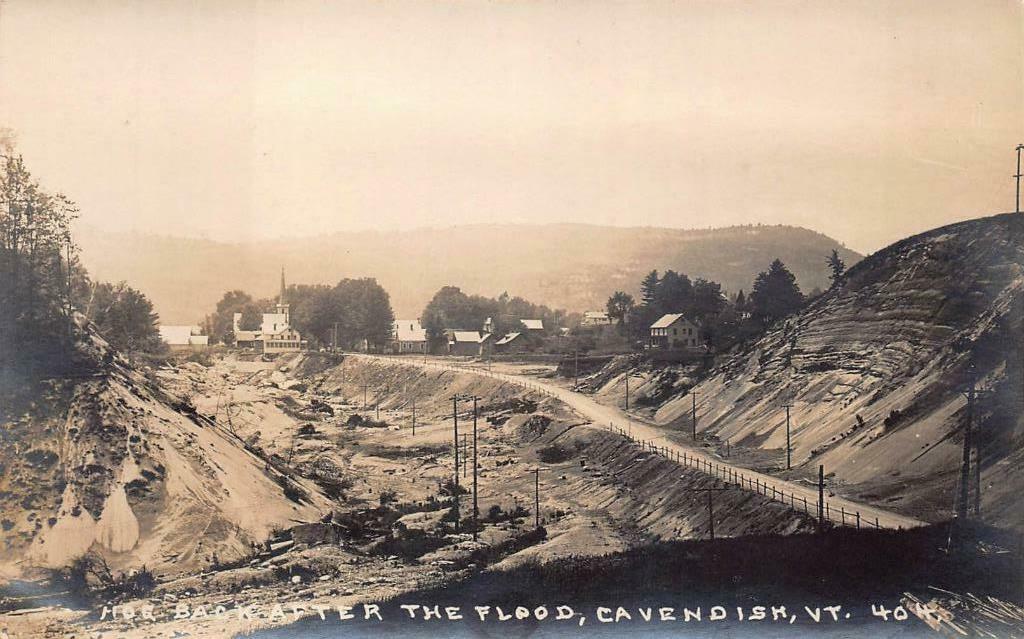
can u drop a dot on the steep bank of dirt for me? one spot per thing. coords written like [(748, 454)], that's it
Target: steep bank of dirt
[(875, 372), (113, 462)]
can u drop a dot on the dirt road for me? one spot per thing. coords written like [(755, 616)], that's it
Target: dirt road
[(803, 497)]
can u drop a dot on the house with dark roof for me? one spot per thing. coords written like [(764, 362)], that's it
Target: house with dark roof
[(512, 343), (469, 343)]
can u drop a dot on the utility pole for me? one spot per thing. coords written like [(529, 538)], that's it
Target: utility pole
[(455, 421), (413, 416), (965, 464), (627, 391), (376, 401), (476, 505), (789, 446), (576, 370), (693, 409), (365, 386), (710, 490), (455, 488), (536, 497), (821, 497), (1020, 147)]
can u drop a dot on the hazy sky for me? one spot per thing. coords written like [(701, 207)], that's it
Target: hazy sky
[(235, 120)]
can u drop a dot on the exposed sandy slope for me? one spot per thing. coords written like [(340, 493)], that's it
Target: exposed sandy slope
[(599, 494), (602, 416), (107, 463), (892, 344)]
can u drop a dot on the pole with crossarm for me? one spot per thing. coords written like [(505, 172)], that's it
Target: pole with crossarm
[(1017, 176)]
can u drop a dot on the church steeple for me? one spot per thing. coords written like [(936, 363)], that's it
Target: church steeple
[(280, 300)]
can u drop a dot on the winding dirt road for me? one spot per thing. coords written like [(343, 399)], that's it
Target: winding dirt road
[(800, 497)]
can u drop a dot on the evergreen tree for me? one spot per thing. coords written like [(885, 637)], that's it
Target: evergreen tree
[(649, 289), (836, 268), (708, 300), (674, 293), (775, 294)]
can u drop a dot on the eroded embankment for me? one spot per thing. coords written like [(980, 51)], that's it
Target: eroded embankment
[(598, 478), (659, 497)]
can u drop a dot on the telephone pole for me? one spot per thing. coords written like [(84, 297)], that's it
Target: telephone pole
[(536, 497), (476, 505), (789, 446), (1020, 147), (576, 370), (965, 464), (455, 488), (710, 490), (821, 497), (414, 416), (455, 422), (693, 409)]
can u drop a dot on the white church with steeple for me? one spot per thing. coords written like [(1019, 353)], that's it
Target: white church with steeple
[(276, 334)]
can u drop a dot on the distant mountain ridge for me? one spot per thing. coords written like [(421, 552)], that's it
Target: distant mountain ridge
[(570, 266)]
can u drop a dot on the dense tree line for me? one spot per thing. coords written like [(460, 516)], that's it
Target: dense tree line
[(723, 321), (37, 254), (43, 284), (360, 309), (123, 315)]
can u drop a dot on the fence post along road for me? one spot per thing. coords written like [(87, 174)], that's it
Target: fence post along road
[(804, 499)]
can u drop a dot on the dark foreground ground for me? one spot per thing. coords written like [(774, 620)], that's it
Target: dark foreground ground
[(866, 573)]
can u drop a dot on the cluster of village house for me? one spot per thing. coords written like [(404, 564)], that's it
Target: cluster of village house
[(671, 331), (276, 334), (409, 337)]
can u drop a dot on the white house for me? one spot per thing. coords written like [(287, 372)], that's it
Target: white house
[(676, 332), (596, 318), (533, 325), (407, 336), (184, 337)]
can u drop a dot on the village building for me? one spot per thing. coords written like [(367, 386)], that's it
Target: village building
[(407, 336), (469, 343), (512, 343), (184, 338), (276, 334), (596, 318), (535, 326), (673, 331)]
